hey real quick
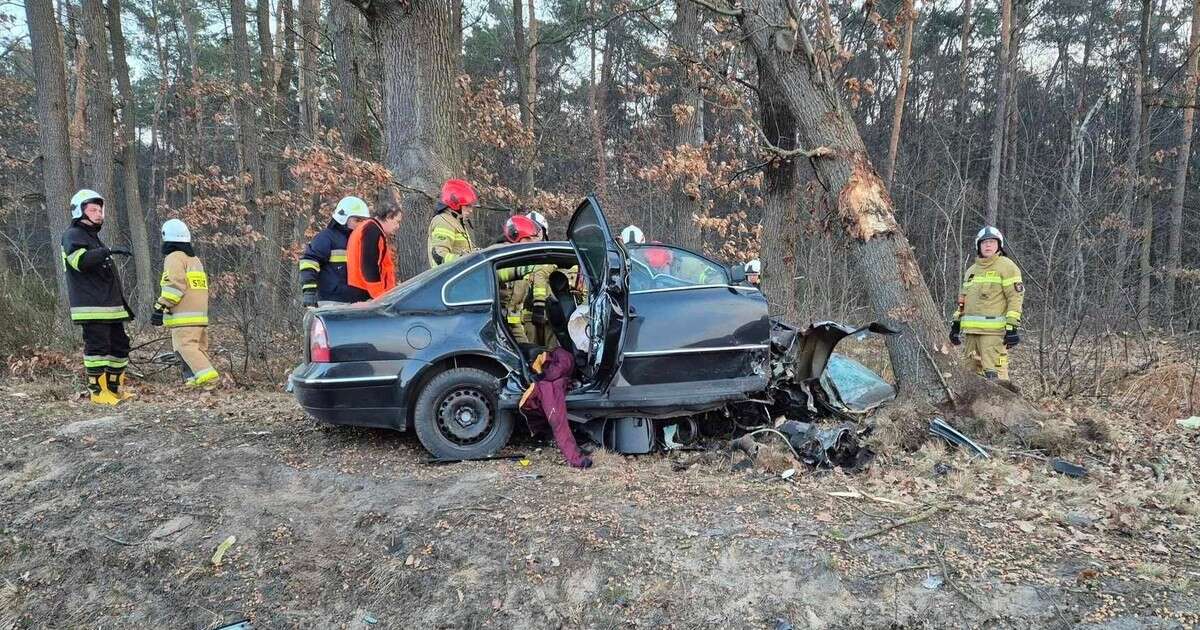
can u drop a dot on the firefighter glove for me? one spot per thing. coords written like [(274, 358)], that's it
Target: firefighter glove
[(120, 252), (956, 333), (156, 318), (539, 312), (1011, 338), (308, 298)]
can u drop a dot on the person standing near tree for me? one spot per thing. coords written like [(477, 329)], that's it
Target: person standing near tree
[(448, 237), (97, 299), (323, 280), (989, 307), (182, 304), (369, 264)]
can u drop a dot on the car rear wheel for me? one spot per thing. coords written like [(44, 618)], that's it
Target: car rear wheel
[(456, 415)]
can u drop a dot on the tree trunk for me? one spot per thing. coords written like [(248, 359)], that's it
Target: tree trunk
[(781, 219), (1182, 160), (531, 104), (346, 23), (1001, 117), (98, 149), (882, 254), (421, 117), (249, 142), (1145, 207), (687, 120), (139, 238), (964, 63), (595, 107), (910, 17), (310, 115), (58, 180), (522, 71)]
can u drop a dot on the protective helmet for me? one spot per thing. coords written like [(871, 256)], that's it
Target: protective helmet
[(659, 257), (633, 234), (81, 199), (989, 232), (540, 220), (176, 231), (457, 193), (754, 266), (518, 227), (350, 207)]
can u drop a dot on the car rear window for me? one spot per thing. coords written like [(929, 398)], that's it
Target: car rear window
[(472, 287)]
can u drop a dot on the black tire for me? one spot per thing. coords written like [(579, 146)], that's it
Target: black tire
[(455, 396)]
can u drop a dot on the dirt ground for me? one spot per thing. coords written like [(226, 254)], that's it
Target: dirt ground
[(111, 519)]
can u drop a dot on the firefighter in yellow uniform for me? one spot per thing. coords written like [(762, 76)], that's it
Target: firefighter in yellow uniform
[(182, 304), (448, 237), (989, 307)]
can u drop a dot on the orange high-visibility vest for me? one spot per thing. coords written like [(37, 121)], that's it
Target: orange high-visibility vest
[(369, 263)]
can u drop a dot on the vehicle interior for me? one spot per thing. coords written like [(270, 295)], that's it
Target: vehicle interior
[(562, 300), (657, 266)]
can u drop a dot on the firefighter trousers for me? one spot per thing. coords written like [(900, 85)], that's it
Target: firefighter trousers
[(987, 354), (105, 347), (191, 342)]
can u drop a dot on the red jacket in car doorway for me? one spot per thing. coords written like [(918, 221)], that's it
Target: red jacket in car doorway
[(369, 263)]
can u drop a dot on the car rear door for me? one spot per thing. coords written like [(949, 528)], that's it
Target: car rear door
[(602, 261)]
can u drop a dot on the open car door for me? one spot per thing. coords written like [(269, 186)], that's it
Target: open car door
[(602, 262)]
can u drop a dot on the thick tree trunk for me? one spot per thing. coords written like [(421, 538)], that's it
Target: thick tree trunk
[(687, 120), (139, 238), (1182, 160), (421, 119), (1145, 207), (884, 259), (58, 180), (910, 17), (1001, 118), (98, 148), (781, 221), (346, 24)]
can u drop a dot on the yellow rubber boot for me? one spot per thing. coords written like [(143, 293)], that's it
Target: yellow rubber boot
[(205, 379), (113, 381), (101, 395), (121, 392)]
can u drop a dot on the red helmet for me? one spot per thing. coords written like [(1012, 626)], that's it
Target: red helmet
[(519, 227), (659, 257), (457, 193)]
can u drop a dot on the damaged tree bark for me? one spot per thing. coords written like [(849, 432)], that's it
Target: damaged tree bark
[(921, 357)]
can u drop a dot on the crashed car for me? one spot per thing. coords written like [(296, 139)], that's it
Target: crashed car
[(664, 345)]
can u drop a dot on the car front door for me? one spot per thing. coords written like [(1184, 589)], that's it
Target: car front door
[(602, 261)]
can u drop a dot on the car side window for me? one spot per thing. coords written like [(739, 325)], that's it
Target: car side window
[(655, 266), (474, 286)]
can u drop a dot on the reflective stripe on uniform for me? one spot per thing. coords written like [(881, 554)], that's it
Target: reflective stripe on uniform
[(1013, 315), (307, 286), (191, 318), (86, 313), (337, 256), (73, 258), (450, 235), (1008, 282), (309, 264), (514, 319), (540, 292), (983, 280), (171, 294), (982, 322)]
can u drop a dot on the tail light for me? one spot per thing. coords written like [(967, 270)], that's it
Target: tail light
[(318, 342)]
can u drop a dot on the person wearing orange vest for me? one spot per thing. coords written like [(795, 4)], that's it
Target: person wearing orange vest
[(369, 264)]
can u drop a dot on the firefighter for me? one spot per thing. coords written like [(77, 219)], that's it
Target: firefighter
[(632, 235), (97, 299), (182, 305), (323, 265), (989, 307), (525, 295), (369, 264), (448, 236), (753, 271), (542, 223)]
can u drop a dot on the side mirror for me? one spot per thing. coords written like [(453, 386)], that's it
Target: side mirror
[(737, 274)]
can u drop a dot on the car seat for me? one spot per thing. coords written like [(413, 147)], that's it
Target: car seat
[(559, 308)]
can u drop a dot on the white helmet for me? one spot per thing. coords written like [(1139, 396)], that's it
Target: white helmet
[(540, 220), (350, 207), (989, 232), (176, 231), (754, 266), (80, 199), (633, 234)]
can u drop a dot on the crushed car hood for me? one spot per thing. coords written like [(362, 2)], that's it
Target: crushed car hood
[(807, 375)]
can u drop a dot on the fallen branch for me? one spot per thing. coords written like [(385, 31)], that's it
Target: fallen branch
[(122, 542), (916, 518), (914, 567)]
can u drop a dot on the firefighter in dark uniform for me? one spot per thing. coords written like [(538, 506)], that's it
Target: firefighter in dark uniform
[(97, 300), (323, 266)]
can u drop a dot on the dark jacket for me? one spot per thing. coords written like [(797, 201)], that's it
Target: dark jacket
[(323, 266), (93, 284)]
